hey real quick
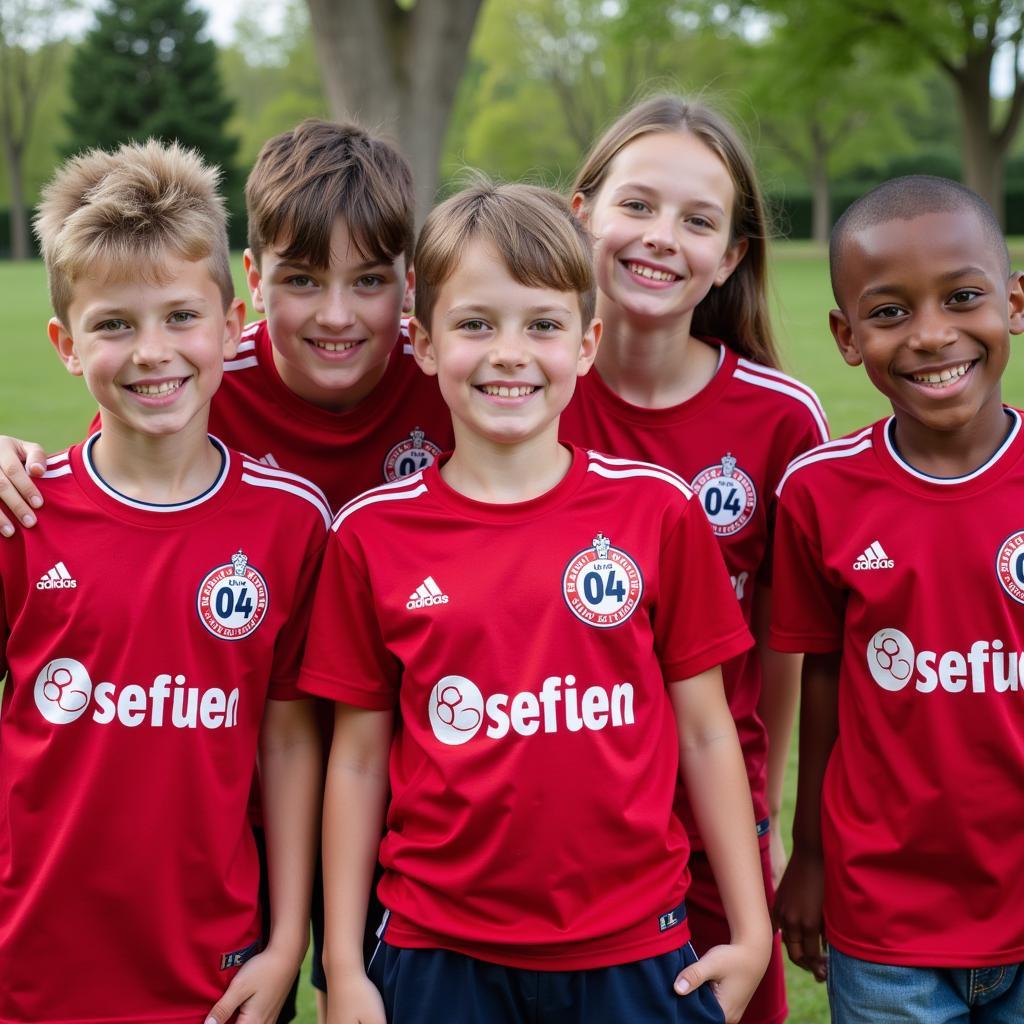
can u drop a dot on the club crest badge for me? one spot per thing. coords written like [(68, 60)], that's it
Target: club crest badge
[(411, 455), (233, 599), (1010, 566), (602, 585), (727, 496)]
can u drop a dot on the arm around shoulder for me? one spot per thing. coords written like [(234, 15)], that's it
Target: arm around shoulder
[(20, 461)]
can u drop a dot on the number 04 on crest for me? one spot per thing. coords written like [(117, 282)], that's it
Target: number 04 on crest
[(602, 584), (233, 599)]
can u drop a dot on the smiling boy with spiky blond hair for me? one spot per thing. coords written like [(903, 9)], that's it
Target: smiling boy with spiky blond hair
[(150, 629)]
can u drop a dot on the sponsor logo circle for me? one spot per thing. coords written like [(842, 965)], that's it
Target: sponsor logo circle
[(1010, 566), (63, 690), (727, 496), (602, 585), (456, 710), (233, 599), (891, 659), (410, 455)]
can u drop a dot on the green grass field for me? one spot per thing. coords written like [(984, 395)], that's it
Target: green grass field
[(38, 400)]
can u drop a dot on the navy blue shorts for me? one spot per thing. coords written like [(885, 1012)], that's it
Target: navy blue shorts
[(426, 986)]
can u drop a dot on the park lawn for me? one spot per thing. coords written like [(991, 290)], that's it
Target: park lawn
[(38, 400)]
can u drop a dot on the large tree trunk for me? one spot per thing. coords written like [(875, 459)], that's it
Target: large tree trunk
[(984, 155), (396, 69), (821, 204), (19, 215)]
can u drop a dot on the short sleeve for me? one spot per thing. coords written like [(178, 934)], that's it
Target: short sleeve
[(292, 638), (697, 619), (346, 659), (807, 609), (804, 432)]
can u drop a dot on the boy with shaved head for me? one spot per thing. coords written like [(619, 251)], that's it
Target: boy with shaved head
[(899, 572)]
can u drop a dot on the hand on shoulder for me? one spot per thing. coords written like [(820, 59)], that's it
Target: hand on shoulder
[(20, 461)]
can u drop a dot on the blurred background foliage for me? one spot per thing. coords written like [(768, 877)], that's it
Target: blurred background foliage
[(835, 95)]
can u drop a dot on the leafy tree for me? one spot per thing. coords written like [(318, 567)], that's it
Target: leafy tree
[(272, 77), (397, 64), (146, 69), (961, 38), (826, 118), (547, 76), (28, 46)]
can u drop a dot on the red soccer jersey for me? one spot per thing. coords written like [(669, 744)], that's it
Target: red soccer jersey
[(398, 429), (732, 443), (920, 583), (141, 643), (527, 648)]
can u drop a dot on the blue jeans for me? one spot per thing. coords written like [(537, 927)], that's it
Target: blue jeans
[(862, 992)]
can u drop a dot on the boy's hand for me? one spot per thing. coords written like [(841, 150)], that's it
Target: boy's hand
[(19, 462), (258, 991), (798, 912), (354, 999), (734, 972)]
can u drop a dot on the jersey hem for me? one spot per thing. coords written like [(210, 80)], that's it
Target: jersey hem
[(924, 958), (716, 653), (801, 643), (322, 686), (545, 959), (188, 1018)]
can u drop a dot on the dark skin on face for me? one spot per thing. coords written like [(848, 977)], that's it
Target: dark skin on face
[(928, 308)]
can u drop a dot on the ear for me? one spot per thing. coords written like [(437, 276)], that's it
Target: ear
[(843, 333), (1015, 297), (589, 346), (234, 321), (254, 279), (65, 346), (579, 207), (422, 348), (731, 260), (409, 298)]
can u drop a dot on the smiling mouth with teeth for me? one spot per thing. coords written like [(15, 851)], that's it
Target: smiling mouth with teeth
[(332, 346), (941, 378), (501, 391), (165, 388), (641, 270)]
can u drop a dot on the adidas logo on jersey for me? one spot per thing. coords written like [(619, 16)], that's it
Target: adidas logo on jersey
[(57, 578), (428, 593), (269, 460), (873, 557)]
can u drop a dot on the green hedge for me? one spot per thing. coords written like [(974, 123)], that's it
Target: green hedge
[(790, 211)]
